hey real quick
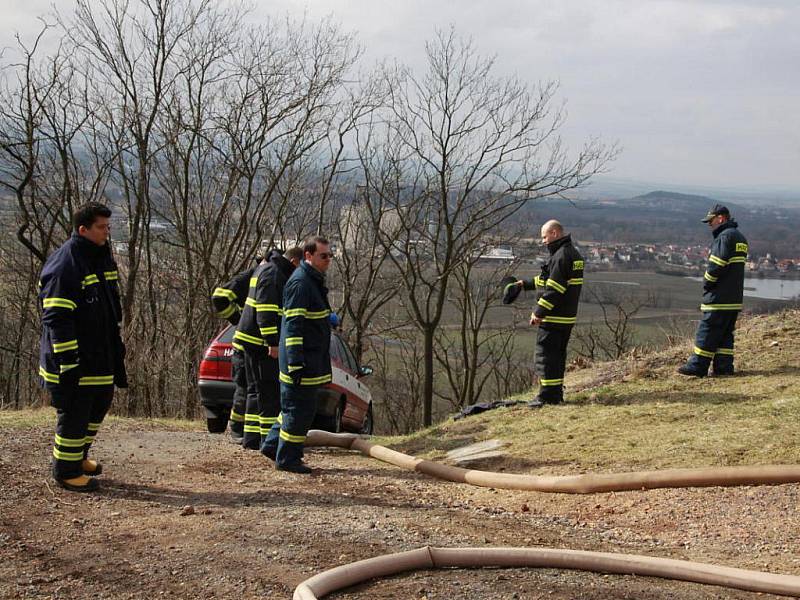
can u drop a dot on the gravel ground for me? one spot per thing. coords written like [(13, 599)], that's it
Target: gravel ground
[(189, 515)]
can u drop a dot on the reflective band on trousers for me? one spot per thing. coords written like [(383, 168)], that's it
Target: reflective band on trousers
[(701, 352), (295, 439), (560, 320), (707, 307), (68, 456), (549, 382), (284, 378)]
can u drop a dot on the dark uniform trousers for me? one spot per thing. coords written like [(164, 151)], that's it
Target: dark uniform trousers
[(240, 392), (80, 412), (263, 396), (551, 362), (714, 342), (287, 437)]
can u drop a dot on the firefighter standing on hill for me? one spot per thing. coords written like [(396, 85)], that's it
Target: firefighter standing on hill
[(228, 300), (723, 290), (305, 361), (559, 289), (81, 353), (258, 334)]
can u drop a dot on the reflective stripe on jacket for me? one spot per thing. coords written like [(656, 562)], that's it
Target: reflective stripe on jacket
[(81, 316), (723, 280), (229, 298), (305, 328), (559, 285)]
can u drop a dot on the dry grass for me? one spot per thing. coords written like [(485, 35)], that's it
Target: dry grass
[(640, 414)]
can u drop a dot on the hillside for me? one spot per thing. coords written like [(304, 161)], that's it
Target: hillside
[(188, 515)]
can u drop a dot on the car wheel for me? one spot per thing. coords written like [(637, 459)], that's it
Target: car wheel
[(338, 425), (369, 423)]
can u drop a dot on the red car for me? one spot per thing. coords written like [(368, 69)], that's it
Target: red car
[(345, 404)]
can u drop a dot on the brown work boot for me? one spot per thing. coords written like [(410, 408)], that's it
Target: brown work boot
[(82, 483), (90, 467)]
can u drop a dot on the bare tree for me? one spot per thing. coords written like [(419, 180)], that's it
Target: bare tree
[(460, 153)]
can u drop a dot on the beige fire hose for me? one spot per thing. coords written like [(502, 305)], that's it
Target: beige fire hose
[(566, 484), (602, 562)]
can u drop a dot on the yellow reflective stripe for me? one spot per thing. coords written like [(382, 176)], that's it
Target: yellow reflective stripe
[(93, 426), (315, 380), (69, 442), (548, 382), (545, 303), (708, 277), (295, 439), (575, 281), (59, 303), (725, 351), (49, 377), (538, 281), (280, 418), (295, 312), (269, 330), (236, 417), (321, 314), (227, 312), (89, 280), (65, 368), (252, 428), (68, 456), (577, 265), (295, 368), (718, 261), (221, 292), (701, 352), (263, 307), (97, 380), (268, 420), (556, 286), (253, 281), (294, 341), (237, 346), (64, 346), (707, 307), (284, 378), (737, 259), (561, 320), (240, 335), (111, 275)]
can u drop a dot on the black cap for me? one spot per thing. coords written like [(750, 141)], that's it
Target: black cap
[(510, 288), (717, 210)]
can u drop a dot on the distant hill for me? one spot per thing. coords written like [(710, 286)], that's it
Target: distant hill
[(663, 216)]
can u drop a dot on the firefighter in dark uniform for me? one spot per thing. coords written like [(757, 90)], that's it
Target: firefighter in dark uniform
[(258, 333), (558, 289), (81, 354), (723, 290), (228, 300), (304, 358)]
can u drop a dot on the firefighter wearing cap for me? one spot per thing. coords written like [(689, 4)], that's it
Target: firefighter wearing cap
[(228, 300), (82, 354), (258, 334), (723, 290), (559, 289)]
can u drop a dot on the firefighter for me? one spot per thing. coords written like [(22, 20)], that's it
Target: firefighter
[(258, 333), (558, 289), (723, 290), (305, 361), (81, 352), (228, 300)]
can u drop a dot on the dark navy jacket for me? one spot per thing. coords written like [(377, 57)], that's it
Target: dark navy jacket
[(229, 298), (305, 329), (724, 277), (259, 326), (559, 285), (81, 316)]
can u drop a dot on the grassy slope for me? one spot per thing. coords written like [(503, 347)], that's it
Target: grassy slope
[(639, 414)]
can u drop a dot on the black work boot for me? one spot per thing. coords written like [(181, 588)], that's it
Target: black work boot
[(690, 372), (300, 468)]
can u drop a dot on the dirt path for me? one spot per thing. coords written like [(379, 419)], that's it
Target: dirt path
[(256, 533)]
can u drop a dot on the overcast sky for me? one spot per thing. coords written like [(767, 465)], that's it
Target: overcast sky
[(697, 92)]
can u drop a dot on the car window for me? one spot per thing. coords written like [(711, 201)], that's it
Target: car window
[(336, 352), (227, 335), (349, 358)]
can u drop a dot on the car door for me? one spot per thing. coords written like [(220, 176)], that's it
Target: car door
[(356, 392)]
